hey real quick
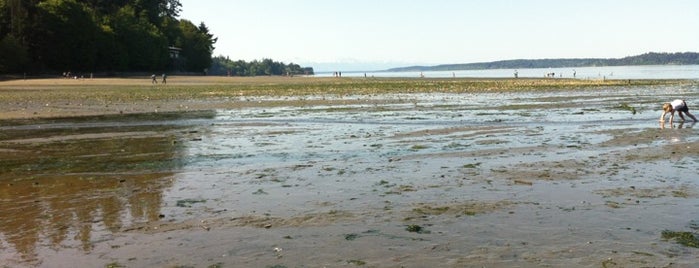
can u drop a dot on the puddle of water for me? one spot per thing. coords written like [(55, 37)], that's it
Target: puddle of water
[(532, 178)]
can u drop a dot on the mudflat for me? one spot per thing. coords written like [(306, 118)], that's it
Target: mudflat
[(326, 172), (47, 98)]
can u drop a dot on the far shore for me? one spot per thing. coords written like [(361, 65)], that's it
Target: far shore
[(340, 172)]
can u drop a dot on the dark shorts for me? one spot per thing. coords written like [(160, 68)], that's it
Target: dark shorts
[(684, 109)]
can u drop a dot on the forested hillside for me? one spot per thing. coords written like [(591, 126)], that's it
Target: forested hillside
[(44, 36), (687, 58)]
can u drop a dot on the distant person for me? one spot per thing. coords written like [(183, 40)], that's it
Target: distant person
[(516, 74), (164, 79), (677, 105), (153, 80)]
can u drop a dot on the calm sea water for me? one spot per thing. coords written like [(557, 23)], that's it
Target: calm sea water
[(607, 72)]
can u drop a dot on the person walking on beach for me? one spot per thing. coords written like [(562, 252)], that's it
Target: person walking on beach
[(153, 80), (677, 105), (164, 79)]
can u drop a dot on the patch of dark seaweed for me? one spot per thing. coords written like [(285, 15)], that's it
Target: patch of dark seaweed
[(688, 239), (410, 228), (656, 192), (460, 209), (189, 202), (472, 165), (75, 121), (414, 228)]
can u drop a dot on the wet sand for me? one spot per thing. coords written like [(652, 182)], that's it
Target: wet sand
[(568, 177)]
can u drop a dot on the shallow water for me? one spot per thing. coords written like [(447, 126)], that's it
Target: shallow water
[(599, 72), (570, 178)]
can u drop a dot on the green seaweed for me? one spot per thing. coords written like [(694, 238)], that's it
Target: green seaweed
[(688, 239), (357, 262), (260, 192), (354, 236), (625, 106), (472, 165), (351, 237), (188, 202), (418, 147), (414, 228), (114, 265)]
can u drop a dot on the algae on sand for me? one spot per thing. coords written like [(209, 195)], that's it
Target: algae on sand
[(687, 239)]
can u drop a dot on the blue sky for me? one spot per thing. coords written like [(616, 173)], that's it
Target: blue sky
[(369, 34)]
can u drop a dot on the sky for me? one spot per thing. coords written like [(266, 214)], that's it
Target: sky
[(366, 35)]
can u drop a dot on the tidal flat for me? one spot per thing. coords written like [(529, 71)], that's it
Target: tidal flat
[(325, 172)]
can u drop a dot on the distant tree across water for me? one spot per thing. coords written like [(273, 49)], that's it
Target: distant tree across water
[(225, 66), (686, 58), (82, 36)]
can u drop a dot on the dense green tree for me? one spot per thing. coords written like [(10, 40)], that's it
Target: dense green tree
[(197, 45), (65, 39), (16, 17), (4, 18), (13, 56), (155, 10), (99, 35), (105, 7), (224, 66), (141, 46)]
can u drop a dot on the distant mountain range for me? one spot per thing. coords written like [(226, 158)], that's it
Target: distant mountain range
[(652, 58)]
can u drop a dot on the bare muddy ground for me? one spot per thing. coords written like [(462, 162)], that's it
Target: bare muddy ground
[(583, 178)]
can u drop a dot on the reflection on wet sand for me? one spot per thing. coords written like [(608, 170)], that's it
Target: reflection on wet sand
[(68, 192), (679, 126)]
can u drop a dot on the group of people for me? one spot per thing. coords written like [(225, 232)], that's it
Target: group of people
[(155, 81), (70, 75), (548, 75)]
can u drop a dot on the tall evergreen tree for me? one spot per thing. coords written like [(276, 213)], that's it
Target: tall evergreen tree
[(66, 39), (99, 35)]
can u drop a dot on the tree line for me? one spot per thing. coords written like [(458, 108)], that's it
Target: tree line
[(685, 58), (43, 36), (225, 66)]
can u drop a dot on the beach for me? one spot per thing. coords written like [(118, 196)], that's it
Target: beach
[(346, 172)]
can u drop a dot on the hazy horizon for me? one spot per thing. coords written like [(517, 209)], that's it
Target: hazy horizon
[(367, 35)]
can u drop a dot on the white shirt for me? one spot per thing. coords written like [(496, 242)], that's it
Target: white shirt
[(677, 104)]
